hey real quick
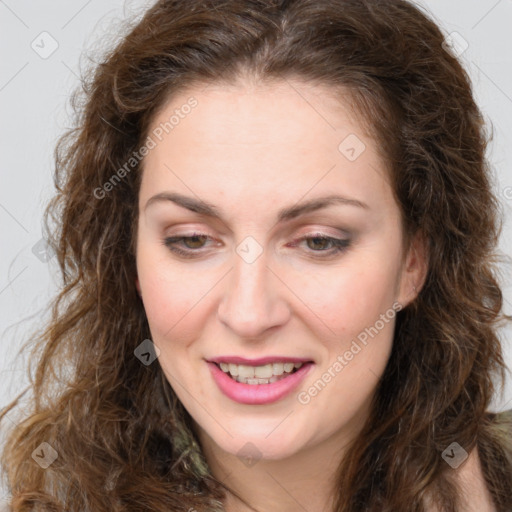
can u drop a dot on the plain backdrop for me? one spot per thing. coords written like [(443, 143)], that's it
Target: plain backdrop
[(42, 44)]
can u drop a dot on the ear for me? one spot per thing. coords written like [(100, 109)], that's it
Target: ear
[(414, 270), (137, 285)]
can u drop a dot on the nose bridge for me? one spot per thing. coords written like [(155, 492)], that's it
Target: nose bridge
[(252, 302)]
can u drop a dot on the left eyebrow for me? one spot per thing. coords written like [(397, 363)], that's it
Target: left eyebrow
[(285, 214)]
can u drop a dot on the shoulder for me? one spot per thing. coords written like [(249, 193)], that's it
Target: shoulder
[(474, 489), (470, 475), (474, 493)]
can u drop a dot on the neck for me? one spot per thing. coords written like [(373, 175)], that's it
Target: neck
[(305, 480), (301, 482)]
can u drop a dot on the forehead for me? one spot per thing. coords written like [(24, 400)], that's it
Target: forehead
[(285, 139), (248, 113)]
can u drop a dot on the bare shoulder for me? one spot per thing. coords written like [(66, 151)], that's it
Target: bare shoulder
[(474, 489)]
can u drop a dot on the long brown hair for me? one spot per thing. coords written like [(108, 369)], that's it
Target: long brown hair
[(117, 449)]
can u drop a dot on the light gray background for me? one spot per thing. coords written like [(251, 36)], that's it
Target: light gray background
[(34, 103)]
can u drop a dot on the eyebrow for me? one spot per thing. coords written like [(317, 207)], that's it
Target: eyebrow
[(285, 214)]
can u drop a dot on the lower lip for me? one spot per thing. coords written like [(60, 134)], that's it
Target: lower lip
[(258, 394)]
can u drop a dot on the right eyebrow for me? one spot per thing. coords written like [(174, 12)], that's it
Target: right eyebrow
[(285, 214)]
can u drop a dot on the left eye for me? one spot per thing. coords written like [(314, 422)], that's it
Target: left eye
[(191, 242), (317, 243), (323, 241)]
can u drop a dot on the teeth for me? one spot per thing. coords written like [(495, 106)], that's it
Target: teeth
[(264, 374), (278, 368), (245, 372), (254, 381)]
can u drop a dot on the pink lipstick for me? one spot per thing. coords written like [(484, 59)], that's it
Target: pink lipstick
[(258, 381)]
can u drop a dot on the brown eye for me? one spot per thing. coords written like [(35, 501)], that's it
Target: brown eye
[(318, 243), (190, 245), (194, 242), (325, 245)]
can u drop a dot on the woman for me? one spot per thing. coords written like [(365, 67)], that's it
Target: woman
[(276, 232)]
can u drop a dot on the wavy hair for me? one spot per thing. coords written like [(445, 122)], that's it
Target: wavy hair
[(119, 451)]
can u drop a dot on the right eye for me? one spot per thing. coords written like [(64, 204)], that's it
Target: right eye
[(192, 243)]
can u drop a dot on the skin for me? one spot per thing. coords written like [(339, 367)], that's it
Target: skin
[(250, 150), (475, 497)]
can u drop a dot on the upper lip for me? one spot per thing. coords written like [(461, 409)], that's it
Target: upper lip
[(260, 361)]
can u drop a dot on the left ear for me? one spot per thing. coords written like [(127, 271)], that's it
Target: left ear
[(414, 269)]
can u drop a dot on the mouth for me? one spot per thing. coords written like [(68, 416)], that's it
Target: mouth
[(258, 381), (262, 374)]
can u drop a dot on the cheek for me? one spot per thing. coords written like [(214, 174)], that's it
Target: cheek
[(172, 301), (350, 298), (357, 305), (172, 297)]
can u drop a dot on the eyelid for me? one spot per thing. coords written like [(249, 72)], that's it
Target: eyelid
[(323, 231), (339, 245), (309, 233)]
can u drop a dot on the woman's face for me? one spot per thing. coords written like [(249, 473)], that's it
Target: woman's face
[(295, 257)]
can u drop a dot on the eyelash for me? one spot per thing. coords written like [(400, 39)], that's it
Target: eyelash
[(339, 244)]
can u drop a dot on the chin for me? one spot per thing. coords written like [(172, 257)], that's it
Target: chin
[(260, 445)]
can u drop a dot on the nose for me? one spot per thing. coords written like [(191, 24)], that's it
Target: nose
[(254, 300)]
